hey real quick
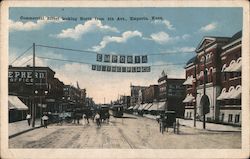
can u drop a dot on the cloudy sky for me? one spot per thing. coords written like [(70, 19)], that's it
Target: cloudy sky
[(172, 37)]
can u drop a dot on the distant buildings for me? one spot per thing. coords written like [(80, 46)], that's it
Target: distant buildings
[(221, 58)]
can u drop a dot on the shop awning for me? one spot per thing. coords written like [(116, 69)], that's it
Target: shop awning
[(223, 94), (234, 66), (189, 98), (136, 106), (233, 93), (154, 106), (189, 80), (142, 106), (237, 93), (161, 105), (148, 106), (131, 107), (15, 103)]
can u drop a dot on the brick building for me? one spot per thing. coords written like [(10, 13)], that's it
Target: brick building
[(214, 54), (172, 92)]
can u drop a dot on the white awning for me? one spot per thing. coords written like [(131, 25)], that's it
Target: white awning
[(231, 94), (136, 106), (154, 106), (15, 103), (236, 93), (142, 106), (223, 94), (234, 66), (161, 105), (189, 80), (237, 67), (131, 107), (189, 98)]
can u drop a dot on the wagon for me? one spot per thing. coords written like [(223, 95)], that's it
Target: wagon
[(167, 120)]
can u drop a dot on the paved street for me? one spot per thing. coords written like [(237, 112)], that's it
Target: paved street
[(130, 132)]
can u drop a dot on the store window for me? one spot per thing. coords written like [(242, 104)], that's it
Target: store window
[(230, 117), (237, 118)]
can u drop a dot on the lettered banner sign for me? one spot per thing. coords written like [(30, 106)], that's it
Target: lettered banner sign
[(121, 68), (122, 59)]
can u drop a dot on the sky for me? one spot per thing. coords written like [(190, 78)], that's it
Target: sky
[(172, 34)]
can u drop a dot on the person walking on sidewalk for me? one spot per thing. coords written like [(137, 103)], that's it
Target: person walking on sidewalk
[(28, 118), (45, 119)]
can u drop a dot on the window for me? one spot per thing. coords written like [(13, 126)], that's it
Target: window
[(237, 118), (190, 115), (230, 117), (222, 117)]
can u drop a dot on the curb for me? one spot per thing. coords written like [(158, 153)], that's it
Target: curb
[(22, 132)]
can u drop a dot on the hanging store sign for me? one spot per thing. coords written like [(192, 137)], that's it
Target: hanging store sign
[(122, 59), (134, 69)]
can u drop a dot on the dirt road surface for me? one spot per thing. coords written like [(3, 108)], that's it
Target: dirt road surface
[(130, 132)]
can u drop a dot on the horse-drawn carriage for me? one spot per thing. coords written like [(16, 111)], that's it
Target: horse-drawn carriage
[(167, 119)]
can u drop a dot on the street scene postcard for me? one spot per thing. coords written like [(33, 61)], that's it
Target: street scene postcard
[(125, 79)]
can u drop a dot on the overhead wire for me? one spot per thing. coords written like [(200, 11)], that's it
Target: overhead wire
[(96, 52), (21, 55)]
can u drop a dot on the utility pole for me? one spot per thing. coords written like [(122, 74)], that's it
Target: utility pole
[(195, 85), (204, 87), (33, 92)]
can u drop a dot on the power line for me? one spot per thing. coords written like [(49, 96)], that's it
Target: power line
[(75, 50), (96, 52), (63, 60), (27, 61), (21, 55)]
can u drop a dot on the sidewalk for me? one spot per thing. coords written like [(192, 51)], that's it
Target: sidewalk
[(19, 127), (199, 125)]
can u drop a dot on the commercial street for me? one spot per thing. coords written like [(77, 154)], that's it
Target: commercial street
[(129, 132)]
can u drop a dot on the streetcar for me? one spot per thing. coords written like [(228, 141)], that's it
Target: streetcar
[(117, 111)]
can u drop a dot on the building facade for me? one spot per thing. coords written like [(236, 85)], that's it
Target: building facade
[(151, 94), (172, 92), (136, 96), (45, 91), (205, 69)]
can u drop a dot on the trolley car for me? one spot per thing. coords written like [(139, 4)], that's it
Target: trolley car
[(117, 110)]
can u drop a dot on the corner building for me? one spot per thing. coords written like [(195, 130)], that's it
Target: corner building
[(214, 55)]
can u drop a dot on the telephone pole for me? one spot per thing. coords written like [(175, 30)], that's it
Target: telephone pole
[(33, 92)]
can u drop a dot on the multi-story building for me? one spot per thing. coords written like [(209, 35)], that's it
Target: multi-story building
[(73, 98), (172, 92), (136, 94), (229, 99), (151, 94), (45, 91), (213, 55)]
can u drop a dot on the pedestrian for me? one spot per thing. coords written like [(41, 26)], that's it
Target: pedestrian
[(97, 119), (84, 117), (45, 119), (28, 118)]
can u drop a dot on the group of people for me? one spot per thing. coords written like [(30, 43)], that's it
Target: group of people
[(44, 119)]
